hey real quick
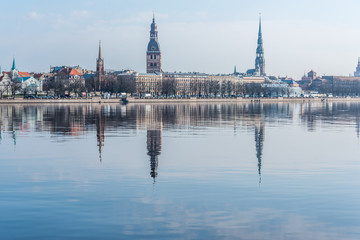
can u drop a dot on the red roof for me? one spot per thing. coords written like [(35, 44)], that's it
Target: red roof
[(74, 72), (24, 74), (21, 74), (70, 72)]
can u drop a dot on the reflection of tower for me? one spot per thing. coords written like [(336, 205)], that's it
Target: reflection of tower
[(357, 126), (100, 129), (153, 121), (259, 141), (154, 149)]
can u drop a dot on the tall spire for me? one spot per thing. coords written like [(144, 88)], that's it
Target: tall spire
[(100, 56), (99, 70), (153, 54), (13, 65), (153, 29), (260, 48), (260, 60), (260, 33)]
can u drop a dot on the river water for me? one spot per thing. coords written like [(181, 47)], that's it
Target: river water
[(180, 171)]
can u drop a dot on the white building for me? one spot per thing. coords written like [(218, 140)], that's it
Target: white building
[(14, 82)]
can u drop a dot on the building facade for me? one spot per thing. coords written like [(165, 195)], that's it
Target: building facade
[(16, 82), (186, 84), (153, 53)]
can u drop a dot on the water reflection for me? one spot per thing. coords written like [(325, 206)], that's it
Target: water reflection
[(154, 149), (82, 167), (77, 120), (100, 129), (259, 140)]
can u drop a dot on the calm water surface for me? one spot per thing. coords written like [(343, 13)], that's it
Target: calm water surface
[(180, 171)]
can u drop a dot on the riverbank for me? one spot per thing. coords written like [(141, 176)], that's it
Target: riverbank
[(200, 100)]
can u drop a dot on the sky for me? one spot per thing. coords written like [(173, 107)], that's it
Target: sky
[(195, 36)]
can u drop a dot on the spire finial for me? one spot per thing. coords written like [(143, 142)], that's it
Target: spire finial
[(259, 23), (153, 16), (100, 55), (13, 65)]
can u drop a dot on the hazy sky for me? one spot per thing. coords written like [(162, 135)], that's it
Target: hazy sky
[(203, 35)]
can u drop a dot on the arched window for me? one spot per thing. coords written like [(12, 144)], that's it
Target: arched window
[(154, 64), (151, 64)]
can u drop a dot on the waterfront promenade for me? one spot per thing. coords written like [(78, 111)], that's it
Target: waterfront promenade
[(192, 100)]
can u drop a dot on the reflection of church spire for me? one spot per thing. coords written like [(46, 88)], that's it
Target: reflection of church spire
[(358, 127), (154, 149), (259, 140), (14, 136), (100, 128)]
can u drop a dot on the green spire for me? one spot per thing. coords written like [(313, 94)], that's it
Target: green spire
[(13, 65), (260, 33)]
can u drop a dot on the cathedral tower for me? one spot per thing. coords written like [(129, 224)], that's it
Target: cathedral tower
[(260, 60), (153, 54), (99, 70)]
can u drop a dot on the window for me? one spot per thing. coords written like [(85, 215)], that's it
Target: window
[(154, 56), (154, 64), (151, 57), (151, 64)]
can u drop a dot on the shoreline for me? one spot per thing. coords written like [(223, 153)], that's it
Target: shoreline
[(154, 101)]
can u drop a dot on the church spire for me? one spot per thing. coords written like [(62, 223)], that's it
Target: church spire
[(260, 60), (13, 65), (260, 48), (153, 53), (260, 33), (100, 56), (99, 70)]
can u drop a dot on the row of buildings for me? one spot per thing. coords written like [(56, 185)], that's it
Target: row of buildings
[(155, 82), (337, 85)]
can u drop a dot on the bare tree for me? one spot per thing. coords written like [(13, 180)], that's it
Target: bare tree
[(193, 87), (214, 87), (169, 87), (3, 89), (229, 88), (14, 86)]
